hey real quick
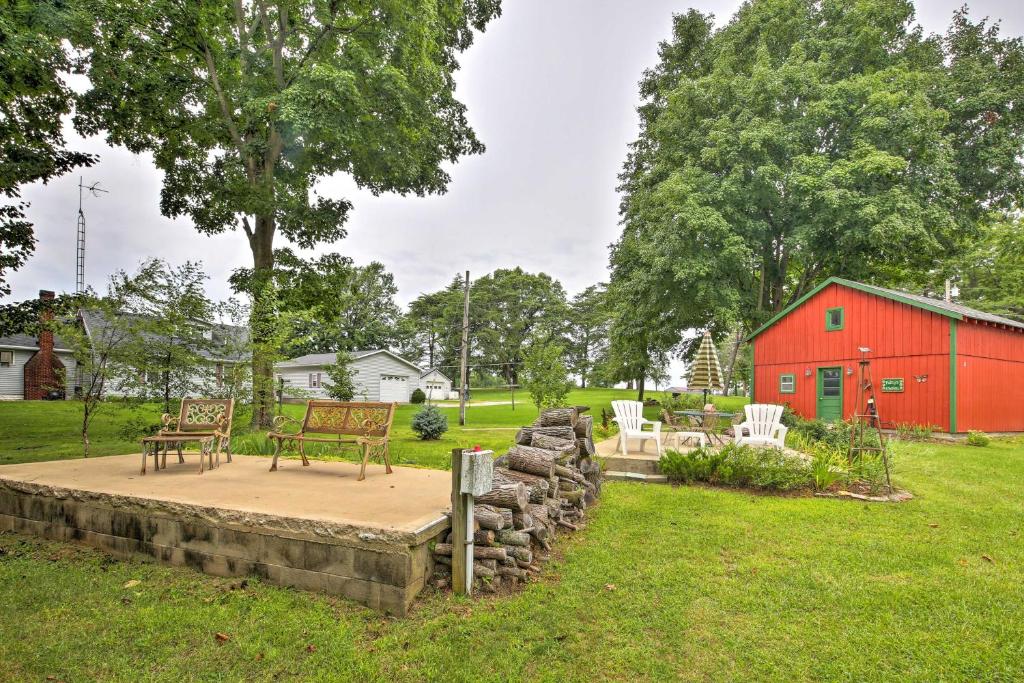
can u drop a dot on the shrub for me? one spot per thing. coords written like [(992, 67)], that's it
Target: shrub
[(341, 385), (828, 466), (430, 423), (976, 438), (545, 375), (417, 396), (913, 432), (732, 465)]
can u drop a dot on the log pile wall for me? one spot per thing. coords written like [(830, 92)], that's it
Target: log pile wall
[(543, 486)]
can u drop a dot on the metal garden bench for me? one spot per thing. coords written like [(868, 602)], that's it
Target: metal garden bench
[(367, 425)]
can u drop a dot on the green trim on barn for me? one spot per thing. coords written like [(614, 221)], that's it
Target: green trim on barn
[(952, 377), (869, 289), (752, 372)]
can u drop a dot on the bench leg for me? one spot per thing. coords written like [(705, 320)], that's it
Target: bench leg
[(181, 457), (226, 442), (145, 454), (302, 452), (366, 458), (277, 452), (387, 457)]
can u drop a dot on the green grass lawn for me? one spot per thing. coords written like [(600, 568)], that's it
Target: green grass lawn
[(32, 431), (687, 583)]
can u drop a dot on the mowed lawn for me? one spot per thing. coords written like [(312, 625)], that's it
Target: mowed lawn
[(33, 431), (665, 583)]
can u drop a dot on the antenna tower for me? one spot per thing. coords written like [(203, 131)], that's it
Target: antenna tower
[(95, 191)]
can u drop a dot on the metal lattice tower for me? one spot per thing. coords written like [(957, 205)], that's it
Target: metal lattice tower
[(94, 189)]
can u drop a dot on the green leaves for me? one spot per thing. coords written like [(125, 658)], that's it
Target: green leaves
[(802, 140), (33, 98)]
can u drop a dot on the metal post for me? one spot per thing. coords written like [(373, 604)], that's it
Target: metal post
[(463, 379)]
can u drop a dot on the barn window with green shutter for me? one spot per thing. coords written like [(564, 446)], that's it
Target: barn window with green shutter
[(787, 384), (834, 319)]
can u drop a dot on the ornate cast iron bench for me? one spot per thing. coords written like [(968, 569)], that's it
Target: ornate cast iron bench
[(203, 420), (369, 425)]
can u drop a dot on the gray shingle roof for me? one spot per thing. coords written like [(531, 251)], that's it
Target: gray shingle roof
[(27, 340), (952, 307), (311, 359)]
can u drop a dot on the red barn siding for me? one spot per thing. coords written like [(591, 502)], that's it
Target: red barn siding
[(990, 377), (905, 342)]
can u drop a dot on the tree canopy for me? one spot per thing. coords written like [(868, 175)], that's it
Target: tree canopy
[(245, 105), (335, 305), (33, 98), (806, 139)]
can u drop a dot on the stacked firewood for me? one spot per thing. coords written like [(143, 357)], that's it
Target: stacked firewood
[(542, 486)]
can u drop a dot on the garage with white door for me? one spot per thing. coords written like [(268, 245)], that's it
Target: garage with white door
[(394, 388)]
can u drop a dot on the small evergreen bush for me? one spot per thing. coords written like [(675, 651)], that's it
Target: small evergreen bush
[(976, 438), (430, 423), (417, 396)]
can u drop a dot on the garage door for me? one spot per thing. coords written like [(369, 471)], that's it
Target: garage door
[(394, 388), (435, 390)]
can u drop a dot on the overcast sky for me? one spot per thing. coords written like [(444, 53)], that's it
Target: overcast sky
[(552, 91)]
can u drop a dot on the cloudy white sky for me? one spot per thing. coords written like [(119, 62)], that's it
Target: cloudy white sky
[(551, 89)]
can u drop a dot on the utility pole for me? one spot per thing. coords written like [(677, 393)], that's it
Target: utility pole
[(463, 378)]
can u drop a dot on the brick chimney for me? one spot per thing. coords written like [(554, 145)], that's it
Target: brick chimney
[(44, 371)]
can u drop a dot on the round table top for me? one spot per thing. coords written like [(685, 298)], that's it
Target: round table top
[(701, 413)]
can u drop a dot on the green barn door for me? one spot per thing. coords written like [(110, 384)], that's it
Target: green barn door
[(830, 394)]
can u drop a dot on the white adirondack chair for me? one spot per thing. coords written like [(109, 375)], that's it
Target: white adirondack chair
[(629, 415), (763, 426)]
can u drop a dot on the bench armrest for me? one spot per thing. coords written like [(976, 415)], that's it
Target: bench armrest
[(281, 420)]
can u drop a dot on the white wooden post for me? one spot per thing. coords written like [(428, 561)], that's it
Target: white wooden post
[(472, 475)]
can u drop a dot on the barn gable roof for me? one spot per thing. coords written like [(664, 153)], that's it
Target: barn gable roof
[(939, 306)]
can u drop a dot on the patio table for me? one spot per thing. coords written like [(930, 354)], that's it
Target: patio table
[(708, 426), (151, 445)]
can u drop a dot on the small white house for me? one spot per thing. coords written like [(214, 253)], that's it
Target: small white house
[(379, 375)]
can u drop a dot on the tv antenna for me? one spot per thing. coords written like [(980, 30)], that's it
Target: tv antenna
[(95, 191)]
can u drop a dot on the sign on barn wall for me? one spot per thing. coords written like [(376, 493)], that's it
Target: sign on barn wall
[(892, 385)]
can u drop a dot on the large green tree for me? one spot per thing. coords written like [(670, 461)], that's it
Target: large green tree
[(33, 98), (246, 104), (991, 275), (803, 139), (508, 308), (337, 305), (589, 323)]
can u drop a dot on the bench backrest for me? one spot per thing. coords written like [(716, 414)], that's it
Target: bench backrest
[(349, 418), (630, 414), (205, 414), (762, 418)]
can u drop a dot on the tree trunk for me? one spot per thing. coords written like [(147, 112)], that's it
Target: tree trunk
[(732, 359), (85, 433), (640, 389), (263, 322)]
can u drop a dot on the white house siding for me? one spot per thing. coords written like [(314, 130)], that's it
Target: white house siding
[(366, 375), (12, 378)]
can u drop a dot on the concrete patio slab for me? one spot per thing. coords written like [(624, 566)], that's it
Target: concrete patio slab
[(309, 527)]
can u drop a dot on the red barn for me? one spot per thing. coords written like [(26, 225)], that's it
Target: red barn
[(933, 363)]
